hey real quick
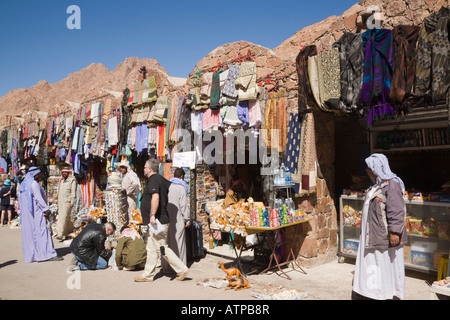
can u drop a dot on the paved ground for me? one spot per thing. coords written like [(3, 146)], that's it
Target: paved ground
[(49, 280)]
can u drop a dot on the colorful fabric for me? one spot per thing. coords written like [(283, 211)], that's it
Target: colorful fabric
[(242, 110), (425, 52), (378, 69), (308, 153), (404, 41), (229, 88), (441, 61), (254, 113), (152, 89), (131, 95), (292, 159), (328, 68), (304, 89), (246, 81), (205, 89), (351, 56), (210, 119), (215, 91)]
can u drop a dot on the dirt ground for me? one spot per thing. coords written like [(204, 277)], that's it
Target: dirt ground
[(50, 280)]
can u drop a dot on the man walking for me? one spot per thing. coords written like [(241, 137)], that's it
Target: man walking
[(67, 189), (153, 210)]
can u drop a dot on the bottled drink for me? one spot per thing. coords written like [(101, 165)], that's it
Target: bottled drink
[(276, 177), (288, 177), (282, 173)]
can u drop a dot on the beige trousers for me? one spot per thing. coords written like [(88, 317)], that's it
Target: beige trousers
[(154, 244)]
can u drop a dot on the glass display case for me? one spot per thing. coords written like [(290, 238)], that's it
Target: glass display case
[(427, 225)]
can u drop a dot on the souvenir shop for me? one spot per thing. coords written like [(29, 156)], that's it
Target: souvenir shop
[(376, 103), (404, 103)]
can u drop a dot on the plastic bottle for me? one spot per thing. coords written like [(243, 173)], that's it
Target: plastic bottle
[(276, 177), (260, 216), (288, 176), (282, 173), (211, 241)]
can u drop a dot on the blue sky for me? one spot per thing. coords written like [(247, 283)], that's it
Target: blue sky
[(37, 45)]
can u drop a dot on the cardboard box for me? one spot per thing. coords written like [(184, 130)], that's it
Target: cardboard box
[(407, 253)]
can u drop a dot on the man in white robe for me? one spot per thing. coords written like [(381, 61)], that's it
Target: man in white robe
[(131, 185)]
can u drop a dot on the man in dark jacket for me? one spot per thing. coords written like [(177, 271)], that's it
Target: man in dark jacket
[(88, 247)]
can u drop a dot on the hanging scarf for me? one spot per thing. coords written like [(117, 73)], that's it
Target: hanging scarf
[(215, 91), (378, 69), (304, 89), (425, 51), (351, 56), (404, 42)]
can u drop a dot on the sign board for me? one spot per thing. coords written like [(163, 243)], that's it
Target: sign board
[(184, 160)]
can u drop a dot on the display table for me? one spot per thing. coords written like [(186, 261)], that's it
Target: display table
[(435, 290), (273, 244)]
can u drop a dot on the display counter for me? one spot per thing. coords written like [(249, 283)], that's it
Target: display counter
[(427, 225)]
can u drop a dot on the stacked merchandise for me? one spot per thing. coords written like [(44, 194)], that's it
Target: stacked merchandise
[(116, 209), (352, 217), (206, 186), (53, 183)]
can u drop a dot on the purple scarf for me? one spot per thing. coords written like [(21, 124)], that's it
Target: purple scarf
[(378, 70)]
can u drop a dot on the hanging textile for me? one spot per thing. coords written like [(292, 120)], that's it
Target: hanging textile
[(210, 119), (205, 89), (304, 89), (404, 42), (131, 95), (161, 145), (254, 113), (351, 56), (137, 97), (145, 90), (328, 68), (313, 75), (378, 69), (160, 106), (229, 89), (215, 91), (292, 159), (242, 110), (441, 61), (425, 51), (246, 81), (308, 154), (113, 138), (152, 89), (275, 118)]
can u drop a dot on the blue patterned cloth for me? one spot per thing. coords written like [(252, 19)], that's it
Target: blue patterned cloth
[(293, 160)]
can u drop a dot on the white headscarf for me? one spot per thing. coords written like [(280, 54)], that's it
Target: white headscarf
[(25, 186), (379, 164)]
